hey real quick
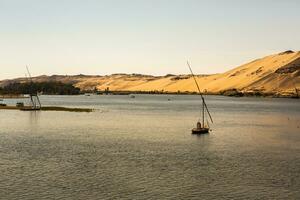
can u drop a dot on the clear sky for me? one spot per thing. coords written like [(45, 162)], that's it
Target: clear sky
[(142, 36)]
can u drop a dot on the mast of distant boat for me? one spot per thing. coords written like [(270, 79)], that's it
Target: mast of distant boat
[(34, 98), (204, 106)]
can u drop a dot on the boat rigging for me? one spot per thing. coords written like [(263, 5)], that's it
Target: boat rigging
[(201, 128), (35, 103)]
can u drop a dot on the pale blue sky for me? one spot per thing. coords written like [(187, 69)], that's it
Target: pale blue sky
[(142, 36)]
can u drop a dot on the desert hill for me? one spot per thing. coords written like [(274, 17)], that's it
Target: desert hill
[(275, 74)]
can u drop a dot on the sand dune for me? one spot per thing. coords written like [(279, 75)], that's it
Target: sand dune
[(279, 73), (276, 74)]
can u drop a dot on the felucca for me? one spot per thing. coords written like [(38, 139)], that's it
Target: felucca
[(203, 127), (35, 103)]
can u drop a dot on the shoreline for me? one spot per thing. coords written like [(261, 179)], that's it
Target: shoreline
[(230, 93), (47, 108), (12, 96)]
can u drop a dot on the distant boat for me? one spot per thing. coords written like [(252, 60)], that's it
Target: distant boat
[(132, 96), (201, 128), (35, 103), (20, 104), (2, 104)]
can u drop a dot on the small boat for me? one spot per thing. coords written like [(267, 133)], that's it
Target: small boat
[(201, 128), (19, 104), (132, 96), (35, 103)]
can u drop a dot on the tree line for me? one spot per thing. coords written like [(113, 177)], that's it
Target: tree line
[(50, 88)]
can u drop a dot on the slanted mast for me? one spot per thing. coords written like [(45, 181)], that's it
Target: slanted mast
[(204, 106), (34, 98)]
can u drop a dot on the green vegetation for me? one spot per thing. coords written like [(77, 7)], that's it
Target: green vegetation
[(51, 88)]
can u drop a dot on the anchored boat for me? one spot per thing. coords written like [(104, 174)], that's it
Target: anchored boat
[(35, 103), (201, 128)]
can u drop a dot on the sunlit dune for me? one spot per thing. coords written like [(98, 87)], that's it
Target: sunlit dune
[(278, 73)]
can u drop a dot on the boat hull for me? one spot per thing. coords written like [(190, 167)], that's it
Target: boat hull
[(200, 131)]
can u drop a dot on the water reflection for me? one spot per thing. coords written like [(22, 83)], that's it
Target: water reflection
[(34, 118)]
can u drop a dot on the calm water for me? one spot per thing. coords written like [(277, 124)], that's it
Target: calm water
[(142, 149)]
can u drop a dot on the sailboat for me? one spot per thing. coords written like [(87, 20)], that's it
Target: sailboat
[(35, 103), (201, 128)]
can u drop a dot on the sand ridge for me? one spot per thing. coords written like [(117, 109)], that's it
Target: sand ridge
[(278, 73)]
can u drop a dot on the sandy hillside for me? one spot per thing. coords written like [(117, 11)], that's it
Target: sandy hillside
[(275, 73), (278, 73)]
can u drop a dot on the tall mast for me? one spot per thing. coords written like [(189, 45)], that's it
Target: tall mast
[(204, 106), (202, 112), (35, 101)]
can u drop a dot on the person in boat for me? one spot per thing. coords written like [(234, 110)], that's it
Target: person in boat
[(198, 125)]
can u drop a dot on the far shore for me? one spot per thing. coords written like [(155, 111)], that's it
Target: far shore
[(12, 96), (231, 93), (275, 75)]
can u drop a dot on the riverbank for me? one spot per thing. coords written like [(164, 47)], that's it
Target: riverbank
[(231, 92), (47, 108), (12, 96)]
